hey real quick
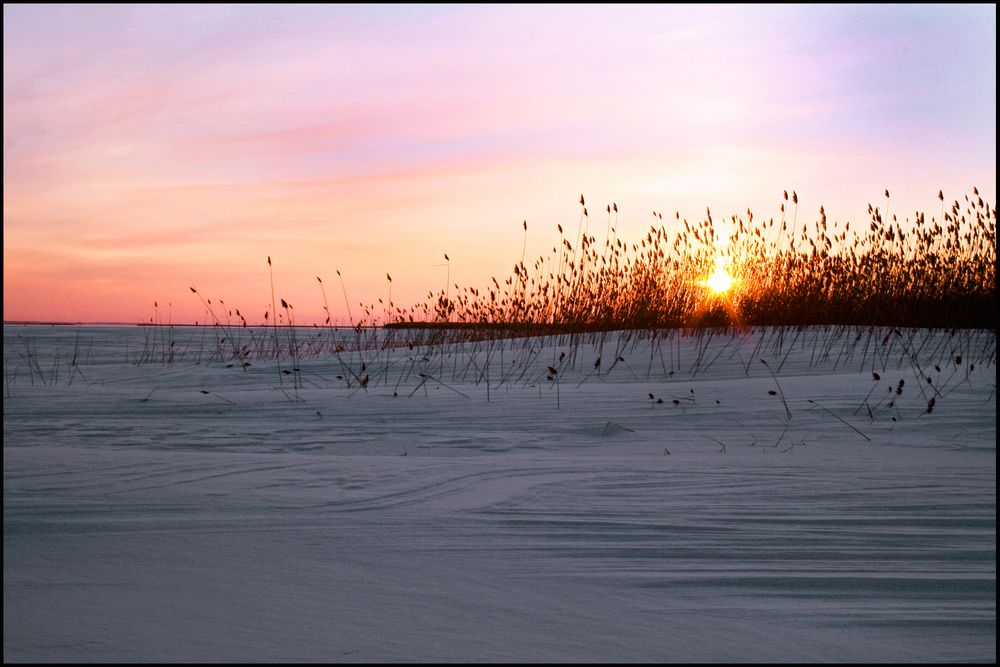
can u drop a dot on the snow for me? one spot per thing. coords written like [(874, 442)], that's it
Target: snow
[(190, 511)]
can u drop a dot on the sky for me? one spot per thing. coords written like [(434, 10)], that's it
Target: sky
[(151, 149)]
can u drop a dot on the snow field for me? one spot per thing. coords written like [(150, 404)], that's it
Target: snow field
[(189, 511)]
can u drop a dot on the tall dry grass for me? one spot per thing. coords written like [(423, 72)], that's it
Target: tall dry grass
[(917, 272), (937, 272)]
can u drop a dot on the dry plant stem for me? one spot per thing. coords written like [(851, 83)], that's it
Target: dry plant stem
[(208, 393), (841, 420), (865, 401), (7, 376), (294, 348), (778, 384), (274, 321)]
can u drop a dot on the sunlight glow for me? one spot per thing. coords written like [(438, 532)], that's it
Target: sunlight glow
[(720, 281)]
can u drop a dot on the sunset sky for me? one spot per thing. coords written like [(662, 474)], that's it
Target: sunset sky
[(149, 149)]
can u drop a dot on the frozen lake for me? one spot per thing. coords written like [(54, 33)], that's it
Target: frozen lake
[(164, 502)]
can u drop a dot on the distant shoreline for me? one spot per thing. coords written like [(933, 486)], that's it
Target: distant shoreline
[(53, 324), (28, 323)]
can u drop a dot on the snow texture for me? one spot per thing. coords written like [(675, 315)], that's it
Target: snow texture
[(192, 509)]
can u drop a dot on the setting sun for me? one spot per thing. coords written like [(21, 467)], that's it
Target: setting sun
[(720, 281)]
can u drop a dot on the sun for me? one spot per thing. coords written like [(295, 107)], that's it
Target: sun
[(720, 281)]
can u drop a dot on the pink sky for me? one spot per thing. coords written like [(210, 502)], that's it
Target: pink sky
[(149, 149)]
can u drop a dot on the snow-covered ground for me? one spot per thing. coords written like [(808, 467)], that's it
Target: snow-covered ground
[(781, 511)]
